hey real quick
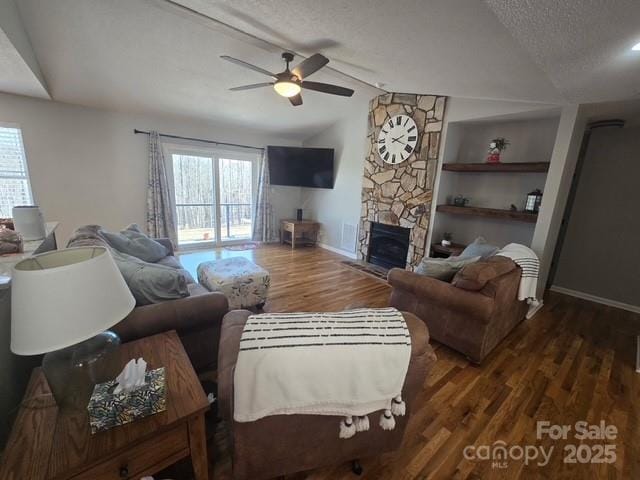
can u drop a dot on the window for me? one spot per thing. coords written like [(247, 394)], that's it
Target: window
[(213, 195), (15, 188)]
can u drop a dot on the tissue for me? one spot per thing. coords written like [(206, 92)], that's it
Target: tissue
[(132, 376)]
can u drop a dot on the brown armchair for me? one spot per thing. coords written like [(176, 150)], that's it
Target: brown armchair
[(473, 313)]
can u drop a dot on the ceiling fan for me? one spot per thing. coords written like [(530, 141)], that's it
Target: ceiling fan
[(289, 83)]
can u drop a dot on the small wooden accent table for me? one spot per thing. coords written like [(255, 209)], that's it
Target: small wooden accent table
[(298, 232), (48, 444), (439, 251)]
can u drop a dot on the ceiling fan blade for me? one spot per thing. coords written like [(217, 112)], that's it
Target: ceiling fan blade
[(296, 100), (247, 65), (252, 86), (310, 65), (327, 88)]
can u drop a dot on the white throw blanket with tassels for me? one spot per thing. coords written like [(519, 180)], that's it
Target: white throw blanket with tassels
[(528, 261), (345, 364)]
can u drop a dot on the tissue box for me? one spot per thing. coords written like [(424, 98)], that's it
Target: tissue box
[(107, 410)]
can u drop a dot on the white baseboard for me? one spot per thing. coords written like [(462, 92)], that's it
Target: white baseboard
[(594, 298), (534, 309), (351, 255)]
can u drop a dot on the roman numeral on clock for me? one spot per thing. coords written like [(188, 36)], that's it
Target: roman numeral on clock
[(408, 148), (383, 149), (412, 128), (406, 121), (398, 120), (390, 124), (386, 156), (411, 138), (382, 140), (393, 158)]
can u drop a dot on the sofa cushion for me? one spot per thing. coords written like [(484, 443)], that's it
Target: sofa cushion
[(479, 248), (475, 276), (443, 268), (132, 241), (149, 282)]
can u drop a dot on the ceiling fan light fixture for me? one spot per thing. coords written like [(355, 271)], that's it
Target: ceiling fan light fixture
[(287, 88)]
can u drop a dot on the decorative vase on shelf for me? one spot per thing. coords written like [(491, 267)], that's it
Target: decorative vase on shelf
[(496, 147), (494, 155)]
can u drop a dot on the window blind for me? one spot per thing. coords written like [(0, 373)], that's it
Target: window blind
[(15, 188)]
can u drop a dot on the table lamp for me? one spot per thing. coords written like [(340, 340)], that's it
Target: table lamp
[(62, 304)]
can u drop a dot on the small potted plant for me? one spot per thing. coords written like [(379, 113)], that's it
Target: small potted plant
[(496, 147), (446, 239)]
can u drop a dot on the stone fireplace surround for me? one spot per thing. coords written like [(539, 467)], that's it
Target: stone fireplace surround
[(401, 194)]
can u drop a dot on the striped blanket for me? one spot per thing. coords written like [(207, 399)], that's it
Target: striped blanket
[(528, 261), (346, 364)]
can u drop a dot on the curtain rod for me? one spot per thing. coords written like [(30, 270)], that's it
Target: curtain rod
[(166, 135)]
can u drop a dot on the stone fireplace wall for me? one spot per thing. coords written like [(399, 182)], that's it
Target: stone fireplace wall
[(401, 194)]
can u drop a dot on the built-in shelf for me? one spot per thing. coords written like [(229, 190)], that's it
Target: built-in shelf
[(489, 212), (522, 167)]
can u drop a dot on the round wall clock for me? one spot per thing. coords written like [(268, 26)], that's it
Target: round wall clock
[(397, 139)]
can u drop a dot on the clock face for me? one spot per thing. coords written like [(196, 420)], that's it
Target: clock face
[(397, 139)]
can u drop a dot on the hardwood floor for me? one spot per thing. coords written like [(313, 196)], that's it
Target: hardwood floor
[(574, 360)]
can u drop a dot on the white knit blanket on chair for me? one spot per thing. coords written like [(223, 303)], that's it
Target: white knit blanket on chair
[(528, 261), (345, 364)]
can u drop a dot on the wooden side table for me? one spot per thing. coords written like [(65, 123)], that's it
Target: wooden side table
[(48, 444), (438, 251), (298, 232)]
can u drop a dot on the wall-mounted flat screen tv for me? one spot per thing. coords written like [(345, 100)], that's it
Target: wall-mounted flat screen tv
[(301, 167)]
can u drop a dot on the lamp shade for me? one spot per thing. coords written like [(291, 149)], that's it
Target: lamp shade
[(64, 297)]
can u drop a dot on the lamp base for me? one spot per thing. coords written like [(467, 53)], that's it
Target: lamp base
[(73, 371)]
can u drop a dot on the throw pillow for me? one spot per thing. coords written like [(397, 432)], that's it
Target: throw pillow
[(134, 242), (443, 268), (150, 282), (479, 248), (475, 277)]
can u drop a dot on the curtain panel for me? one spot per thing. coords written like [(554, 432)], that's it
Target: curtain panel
[(264, 227), (160, 212)]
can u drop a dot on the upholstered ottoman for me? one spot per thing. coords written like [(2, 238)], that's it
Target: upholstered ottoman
[(244, 283)]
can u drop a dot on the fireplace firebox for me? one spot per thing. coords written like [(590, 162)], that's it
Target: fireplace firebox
[(388, 245)]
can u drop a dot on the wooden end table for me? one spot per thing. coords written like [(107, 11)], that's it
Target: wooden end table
[(47, 444), (439, 251), (298, 232)]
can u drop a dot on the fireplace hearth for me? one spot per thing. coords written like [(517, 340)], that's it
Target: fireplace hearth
[(388, 245)]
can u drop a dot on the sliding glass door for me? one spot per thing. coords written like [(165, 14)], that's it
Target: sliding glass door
[(214, 195), (236, 198)]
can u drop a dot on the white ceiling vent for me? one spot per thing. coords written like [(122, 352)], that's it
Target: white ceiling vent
[(349, 235)]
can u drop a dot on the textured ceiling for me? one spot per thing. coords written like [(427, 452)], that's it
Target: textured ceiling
[(131, 55), (15, 74), (19, 69), (154, 56), (457, 48), (582, 45)]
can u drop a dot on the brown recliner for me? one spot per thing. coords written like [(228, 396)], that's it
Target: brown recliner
[(284, 444), (473, 313)]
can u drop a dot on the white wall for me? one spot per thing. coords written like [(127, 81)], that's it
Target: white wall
[(563, 164), (531, 140), (600, 254), (340, 205), (87, 166)]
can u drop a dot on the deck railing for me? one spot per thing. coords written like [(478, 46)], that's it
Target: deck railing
[(201, 215)]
